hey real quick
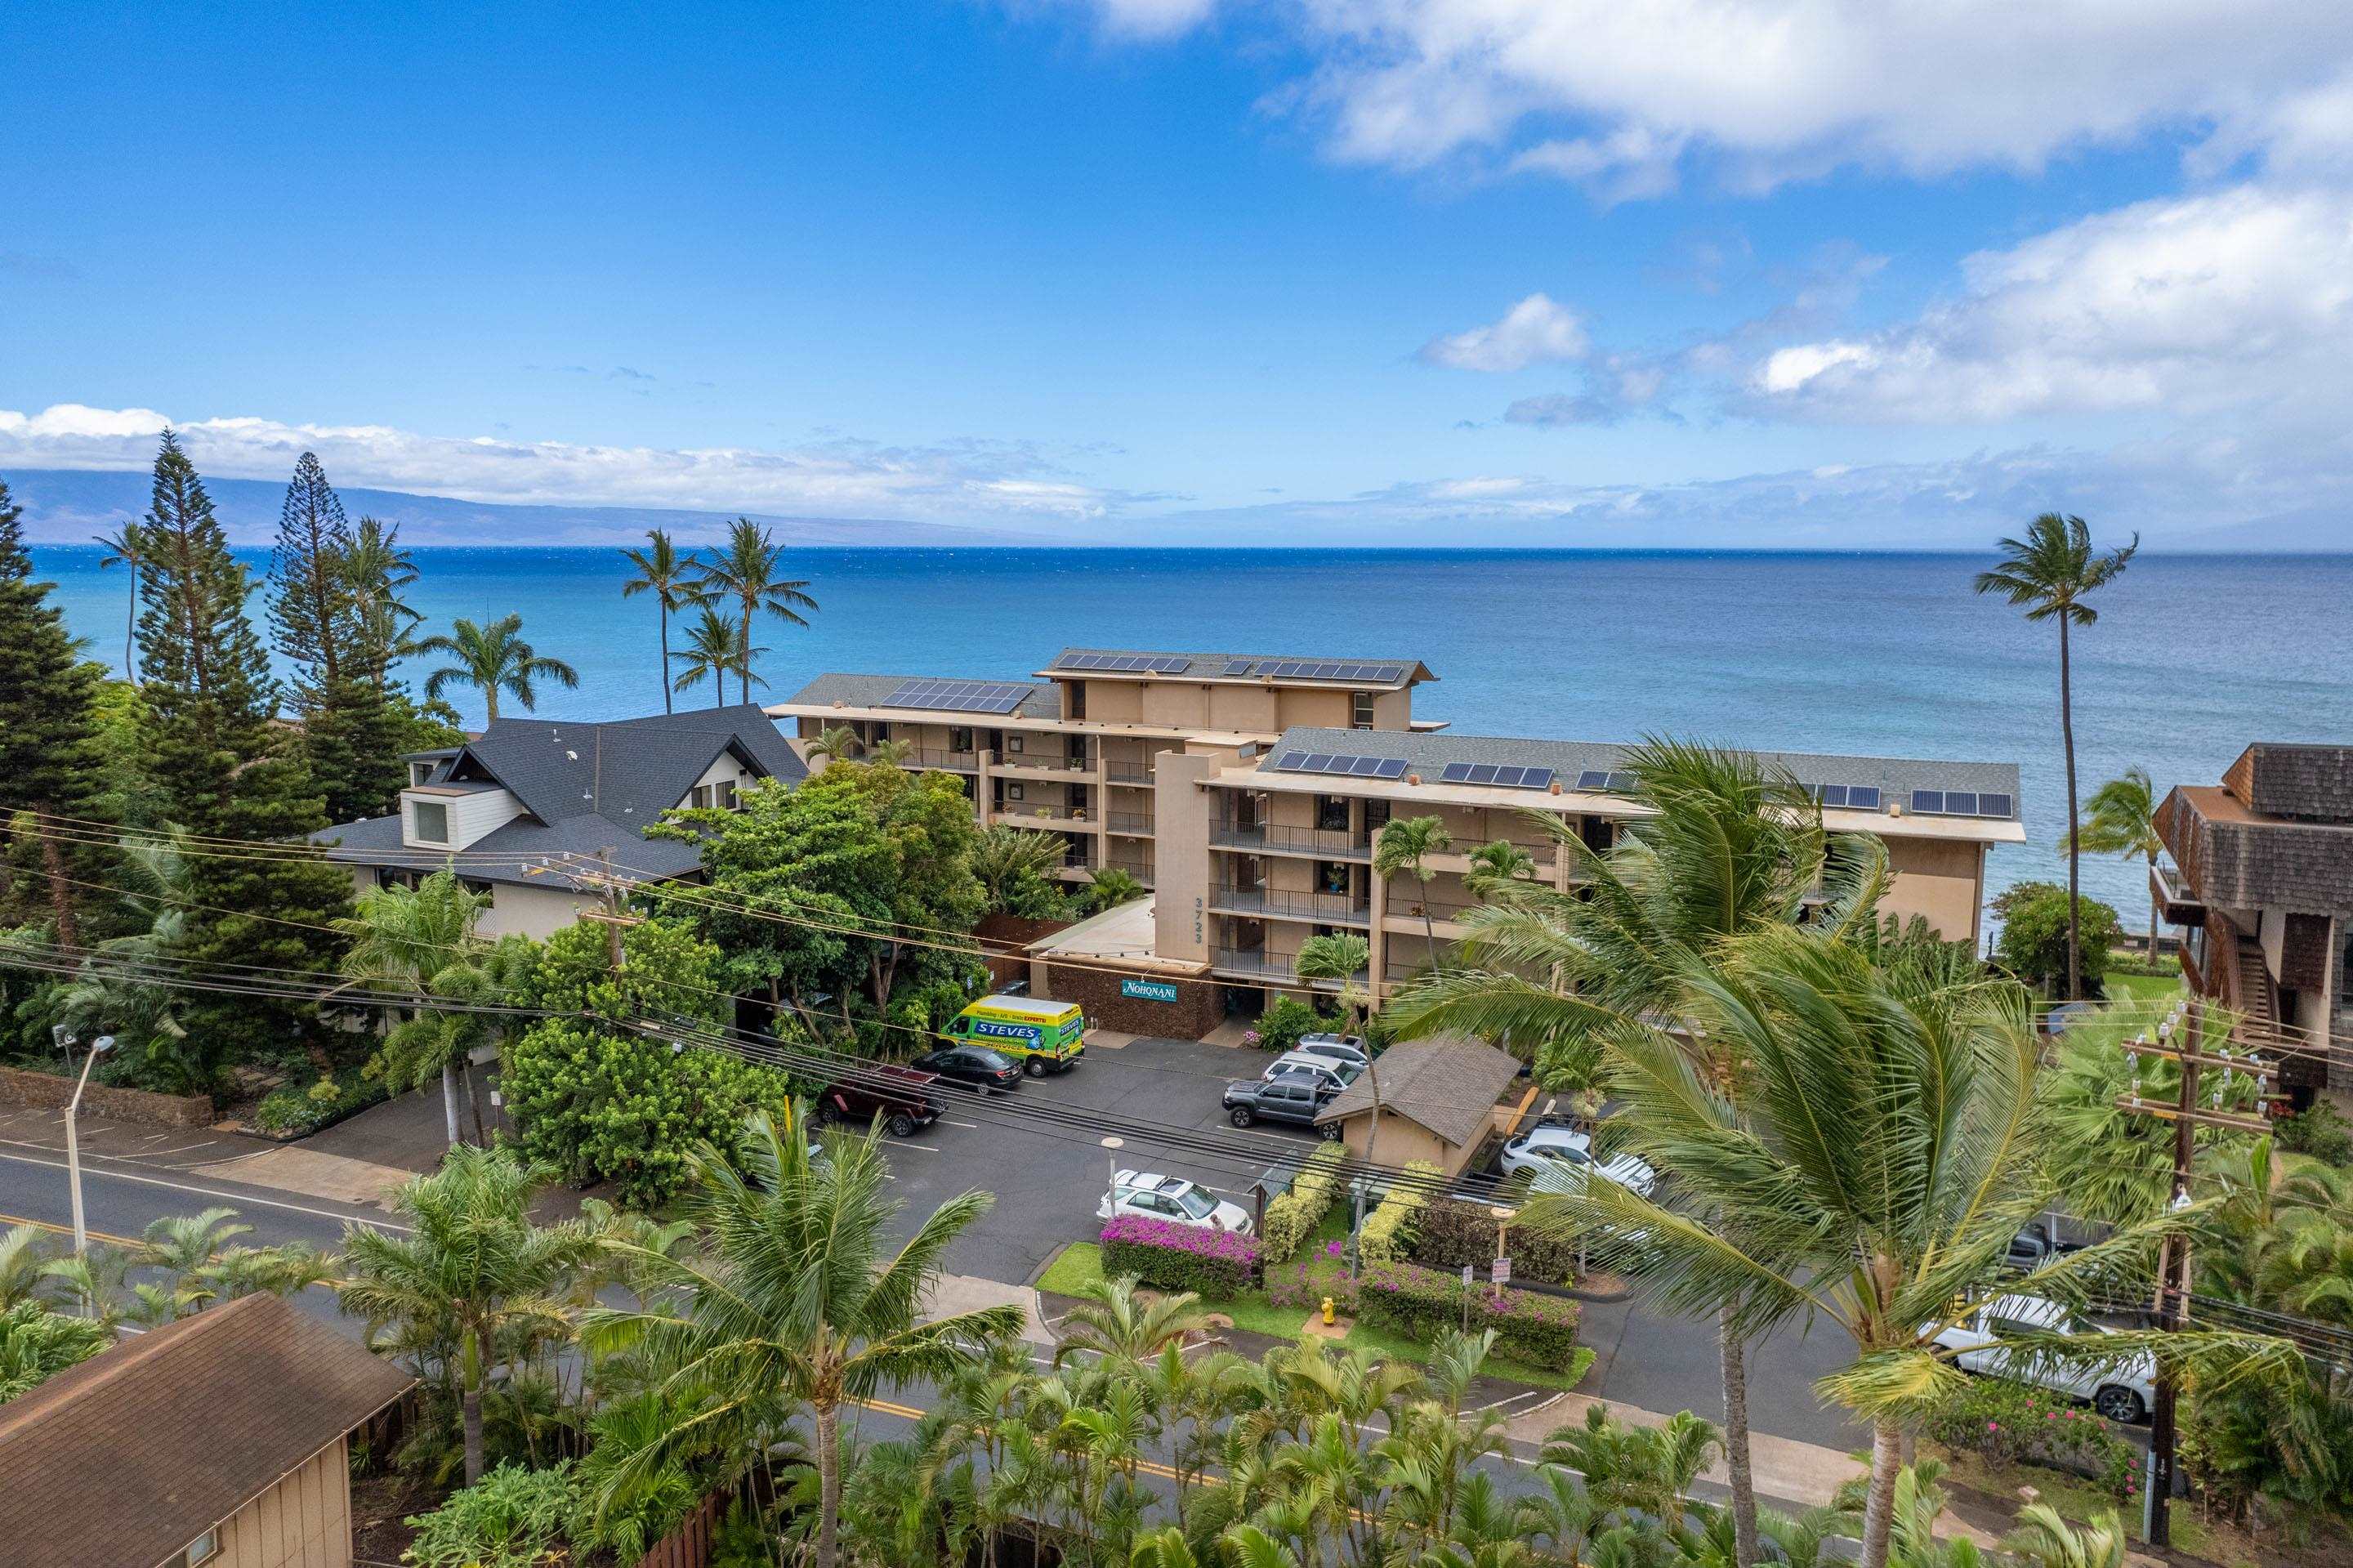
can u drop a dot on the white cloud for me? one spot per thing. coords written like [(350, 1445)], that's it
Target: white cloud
[(1534, 331), (2197, 306), (841, 477), (1617, 95)]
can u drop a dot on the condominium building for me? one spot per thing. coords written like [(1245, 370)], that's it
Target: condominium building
[(1248, 791)]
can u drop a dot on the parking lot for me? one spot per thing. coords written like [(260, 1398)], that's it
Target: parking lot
[(1047, 1184)]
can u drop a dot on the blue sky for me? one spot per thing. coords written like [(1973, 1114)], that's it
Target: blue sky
[(1404, 271)]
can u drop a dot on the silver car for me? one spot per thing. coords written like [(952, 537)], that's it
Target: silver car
[(1550, 1148), (2122, 1390), (1329, 1069)]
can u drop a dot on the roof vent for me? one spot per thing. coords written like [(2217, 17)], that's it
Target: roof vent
[(1413, 778), (572, 754)]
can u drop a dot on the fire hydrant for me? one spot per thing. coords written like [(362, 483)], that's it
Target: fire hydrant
[(1327, 1311)]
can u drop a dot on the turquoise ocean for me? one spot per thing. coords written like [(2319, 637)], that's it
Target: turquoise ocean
[(1884, 654)]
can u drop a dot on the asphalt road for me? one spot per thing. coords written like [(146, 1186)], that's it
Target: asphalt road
[(1047, 1183)]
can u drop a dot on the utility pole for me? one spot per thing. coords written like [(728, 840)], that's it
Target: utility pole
[(599, 878), (2180, 1040)]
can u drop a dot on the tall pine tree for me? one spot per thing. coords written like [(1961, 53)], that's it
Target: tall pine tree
[(49, 754), (228, 770), (351, 734)]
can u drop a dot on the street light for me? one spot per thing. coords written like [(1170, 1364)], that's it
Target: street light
[(1111, 1146), (98, 1047)]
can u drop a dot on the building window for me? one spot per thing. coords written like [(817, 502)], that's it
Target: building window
[(1013, 791), (1376, 817), (1331, 877), (1332, 813), (429, 822), (203, 1548), (1363, 705), (960, 738), (1077, 706), (419, 773), (705, 797), (1013, 744)]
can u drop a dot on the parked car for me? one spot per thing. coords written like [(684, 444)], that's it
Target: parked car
[(1174, 1198), (2034, 1247), (1339, 1047), (1339, 1074), (974, 1064), (902, 1096), (1292, 1097), (2122, 1390), (1552, 1148)]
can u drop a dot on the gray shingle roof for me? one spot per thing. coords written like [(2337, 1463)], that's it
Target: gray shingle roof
[(1427, 752), (587, 787), (867, 692), (1448, 1083)]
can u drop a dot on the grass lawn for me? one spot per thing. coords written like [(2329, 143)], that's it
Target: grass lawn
[(2143, 988), (1074, 1268)]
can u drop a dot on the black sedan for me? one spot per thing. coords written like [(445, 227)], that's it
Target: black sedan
[(974, 1064)]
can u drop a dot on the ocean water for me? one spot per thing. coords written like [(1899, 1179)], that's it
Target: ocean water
[(2193, 656)]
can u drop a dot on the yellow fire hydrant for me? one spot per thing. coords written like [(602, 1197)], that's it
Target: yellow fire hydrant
[(1327, 1311)]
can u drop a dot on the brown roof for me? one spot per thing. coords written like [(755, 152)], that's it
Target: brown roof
[(1448, 1083), (2233, 856), (122, 1461)]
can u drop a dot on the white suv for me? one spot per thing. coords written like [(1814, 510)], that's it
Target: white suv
[(1549, 1148), (1172, 1198), (1330, 1069), (2123, 1390)]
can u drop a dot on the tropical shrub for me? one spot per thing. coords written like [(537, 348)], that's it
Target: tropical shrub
[(624, 1108), (511, 1517), (1287, 1018), (1293, 1217), (37, 1342), (2017, 1423), (1389, 1229), (1451, 1234), (306, 1107), (2033, 943), (2321, 1131), (1218, 1263), (1539, 1329)]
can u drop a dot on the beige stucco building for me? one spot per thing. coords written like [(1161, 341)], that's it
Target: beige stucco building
[(1248, 790)]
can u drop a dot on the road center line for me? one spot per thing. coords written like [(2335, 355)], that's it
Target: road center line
[(238, 1198)]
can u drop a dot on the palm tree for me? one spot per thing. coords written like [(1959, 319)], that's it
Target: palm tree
[(403, 940), (1405, 847), (2048, 1541), (1725, 848), (1109, 886), (2049, 572), (673, 580), (1883, 1149), (715, 645), (1004, 858), (2123, 821), (748, 570), (37, 1343), (472, 1272), (1491, 865), (839, 743), (799, 1296), (1128, 1330), (127, 547), (376, 567), (493, 659)]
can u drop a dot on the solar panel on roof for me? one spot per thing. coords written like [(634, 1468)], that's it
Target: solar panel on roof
[(957, 696), (1593, 778), (1928, 801), (1862, 797), (1993, 805), (1317, 762), (1960, 803), (1831, 794), (1623, 782), (1291, 761), (1391, 768)]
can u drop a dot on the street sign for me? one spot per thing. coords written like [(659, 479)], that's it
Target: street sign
[(1467, 1276), (1503, 1271), (1148, 990)]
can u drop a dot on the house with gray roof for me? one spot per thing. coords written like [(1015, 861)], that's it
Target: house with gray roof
[(534, 811), (1437, 1102)]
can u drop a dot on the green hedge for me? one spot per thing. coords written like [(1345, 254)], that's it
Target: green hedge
[(2015, 1422), (1293, 1215), (1451, 1234), (1388, 1230), (1537, 1330), (307, 1107)]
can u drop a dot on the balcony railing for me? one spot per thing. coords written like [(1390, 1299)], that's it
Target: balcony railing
[(1017, 814), (1128, 772), (1134, 824), (1256, 965), (1333, 908), (1330, 844), (946, 761), (1139, 869), (1040, 762)]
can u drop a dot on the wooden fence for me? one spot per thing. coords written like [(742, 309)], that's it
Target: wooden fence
[(689, 1546)]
